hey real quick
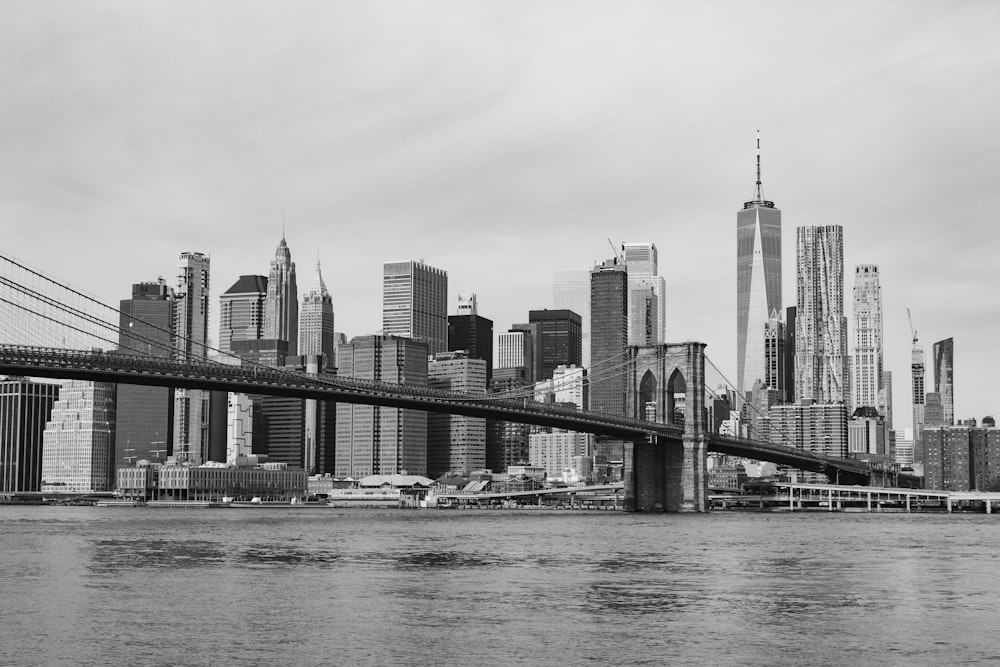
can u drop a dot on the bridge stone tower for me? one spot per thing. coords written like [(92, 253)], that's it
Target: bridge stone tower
[(667, 473)]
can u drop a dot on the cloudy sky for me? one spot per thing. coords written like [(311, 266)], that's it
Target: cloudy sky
[(505, 140)]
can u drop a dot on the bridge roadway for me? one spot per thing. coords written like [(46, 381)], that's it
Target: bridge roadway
[(213, 376)]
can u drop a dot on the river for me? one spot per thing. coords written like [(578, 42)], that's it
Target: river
[(318, 586)]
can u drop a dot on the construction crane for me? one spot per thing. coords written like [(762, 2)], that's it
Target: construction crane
[(913, 331), (619, 256)]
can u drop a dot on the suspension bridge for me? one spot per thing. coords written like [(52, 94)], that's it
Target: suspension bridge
[(52, 330)]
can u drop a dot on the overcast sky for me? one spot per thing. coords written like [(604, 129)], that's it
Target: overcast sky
[(503, 141)]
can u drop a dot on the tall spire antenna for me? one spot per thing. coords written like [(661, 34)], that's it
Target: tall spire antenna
[(759, 191)]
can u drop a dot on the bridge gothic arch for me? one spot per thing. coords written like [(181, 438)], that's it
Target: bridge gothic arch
[(667, 474)]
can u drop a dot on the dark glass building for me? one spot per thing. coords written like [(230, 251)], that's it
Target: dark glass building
[(144, 428), (473, 333), (608, 337), (25, 407), (559, 340)]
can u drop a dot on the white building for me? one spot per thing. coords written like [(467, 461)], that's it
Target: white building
[(866, 367), (821, 361), (455, 443), (191, 326), (647, 295), (556, 452), (78, 444), (239, 439)]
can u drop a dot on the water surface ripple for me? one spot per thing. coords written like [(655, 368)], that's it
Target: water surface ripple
[(98, 586)]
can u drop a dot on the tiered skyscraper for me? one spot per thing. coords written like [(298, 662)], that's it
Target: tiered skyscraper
[(281, 309), (316, 335), (191, 406), (867, 361), (647, 295), (415, 303), (758, 282), (79, 440), (821, 361)]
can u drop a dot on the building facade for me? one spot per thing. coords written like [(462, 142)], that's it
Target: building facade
[(415, 303), (144, 426), (281, 308), (944, 377), (316, 332), (919, 397), (774, 355), (608, 337), (647, 294), (758, 281), (516, 350), (571, 291), (558, 341), (25, 408), (471, 332), (866, 366), (78, 443), (191, 406), (821, 359), (241, 312), (455, 443), (379, 440)]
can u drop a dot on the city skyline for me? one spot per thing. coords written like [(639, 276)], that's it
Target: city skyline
[(504, 170)]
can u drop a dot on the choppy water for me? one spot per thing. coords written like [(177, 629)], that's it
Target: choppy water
[(340, 587)]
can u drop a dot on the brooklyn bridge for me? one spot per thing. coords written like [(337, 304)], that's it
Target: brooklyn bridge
[(665, 457)]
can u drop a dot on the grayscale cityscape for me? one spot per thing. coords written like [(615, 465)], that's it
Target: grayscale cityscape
[(213, 449)]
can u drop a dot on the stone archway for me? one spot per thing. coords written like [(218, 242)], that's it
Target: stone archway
[(671, 473)]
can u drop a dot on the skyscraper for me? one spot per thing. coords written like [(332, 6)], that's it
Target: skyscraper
[(758, 281), (647, 295), (316, 333), (25, 407), (516, 350), (191, 406), (456, 443), (241, 312), (79, 439), (281, 311), (415, 303), (571, 291), (821, 361), (944, 384), (867, 361), (608, 337), (471, 332), (919, 398), (144, 415), (774, 355), (559, 340), (379, 440)]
